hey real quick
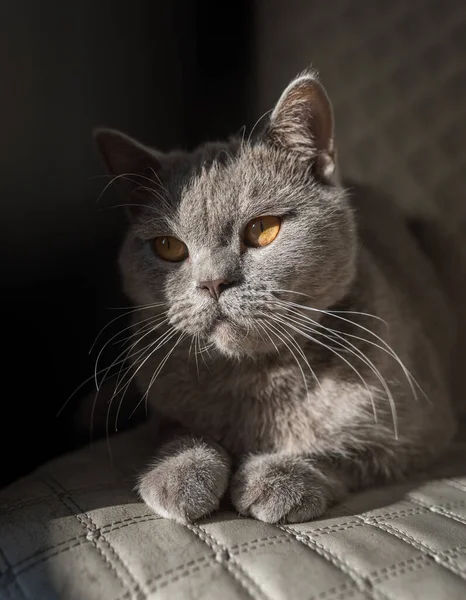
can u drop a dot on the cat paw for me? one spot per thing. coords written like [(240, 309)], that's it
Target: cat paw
[(276, 488), (188, 484)]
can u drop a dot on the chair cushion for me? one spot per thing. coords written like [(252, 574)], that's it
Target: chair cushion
[(74, 529)]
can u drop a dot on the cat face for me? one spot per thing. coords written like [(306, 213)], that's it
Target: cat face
[(221, 236)]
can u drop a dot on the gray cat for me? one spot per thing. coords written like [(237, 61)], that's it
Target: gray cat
[(293, 331)]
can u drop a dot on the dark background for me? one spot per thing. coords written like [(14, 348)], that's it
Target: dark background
[(169, 73)]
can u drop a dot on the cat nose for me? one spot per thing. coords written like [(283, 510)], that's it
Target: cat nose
[(215, 287)]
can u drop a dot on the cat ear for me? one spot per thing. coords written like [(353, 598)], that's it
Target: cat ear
[(302, 124), (135, 167), (122, 155)]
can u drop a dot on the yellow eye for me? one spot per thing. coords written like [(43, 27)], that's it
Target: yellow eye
[(169, 248), (261, 231)]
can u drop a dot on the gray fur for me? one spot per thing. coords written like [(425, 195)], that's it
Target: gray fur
[(304, 420), (188, 480)]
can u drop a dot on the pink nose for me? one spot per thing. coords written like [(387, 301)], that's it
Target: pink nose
[(215, 287)]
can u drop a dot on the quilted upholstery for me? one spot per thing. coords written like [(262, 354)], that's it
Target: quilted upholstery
[(74, 530)]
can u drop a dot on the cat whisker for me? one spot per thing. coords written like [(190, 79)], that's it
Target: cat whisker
[(127, 312), (386, 347), (137, 307), (126, 354), (111, 182), (124, 388), (304, 357), (104, 370), (261, 325), (257, 123), (206, 349), (190, 348), (227, 154), (143, 329), (159, 182), (201, 354), (359, 355), (349, 312), (131, 177), (132, 364), (282, 335), (157, 372), (161, 200), (196, 354), (153, 323), (364, 359), (153, 347), (242, 131), (344, 344)]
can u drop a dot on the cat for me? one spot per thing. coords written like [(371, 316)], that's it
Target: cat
[(289, 329)]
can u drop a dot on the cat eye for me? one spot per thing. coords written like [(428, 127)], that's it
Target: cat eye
[(169, 248), (261, 231)]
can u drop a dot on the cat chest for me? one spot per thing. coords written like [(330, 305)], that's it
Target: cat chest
[(279, 416)]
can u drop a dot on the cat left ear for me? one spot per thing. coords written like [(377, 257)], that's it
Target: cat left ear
[(125, 158), (135, 167), (302, 125)]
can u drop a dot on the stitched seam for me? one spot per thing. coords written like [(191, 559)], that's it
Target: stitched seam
[(122, 523), (333, 530), (129, 521), (337, 592), (7, 509), (8, 574), (256, 540), (399, 513), (363, 584), (228, 562), (81, 539), (44, 558), (436, 556), (351, 524), (454, 554), (454, 483), (70, 543), (410, 565), (180, 572), (451, 515), (187, 565), (255, 546), (177, 578), (377, 578), (194, 566), (104, 548), (440, 510), (46, 553)]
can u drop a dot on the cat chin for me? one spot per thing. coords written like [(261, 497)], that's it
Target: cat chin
[(234, 342)]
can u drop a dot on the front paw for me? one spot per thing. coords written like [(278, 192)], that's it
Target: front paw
[(188, 484), (276, 488)]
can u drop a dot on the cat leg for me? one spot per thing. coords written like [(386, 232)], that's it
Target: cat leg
[(187, 480)]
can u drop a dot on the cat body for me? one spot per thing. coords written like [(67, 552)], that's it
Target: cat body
[(294, 370)]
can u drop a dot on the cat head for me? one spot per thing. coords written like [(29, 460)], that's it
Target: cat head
[(222, 236)]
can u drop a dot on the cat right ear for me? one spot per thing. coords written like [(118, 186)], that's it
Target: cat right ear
[(132, 164), (301, 125)]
